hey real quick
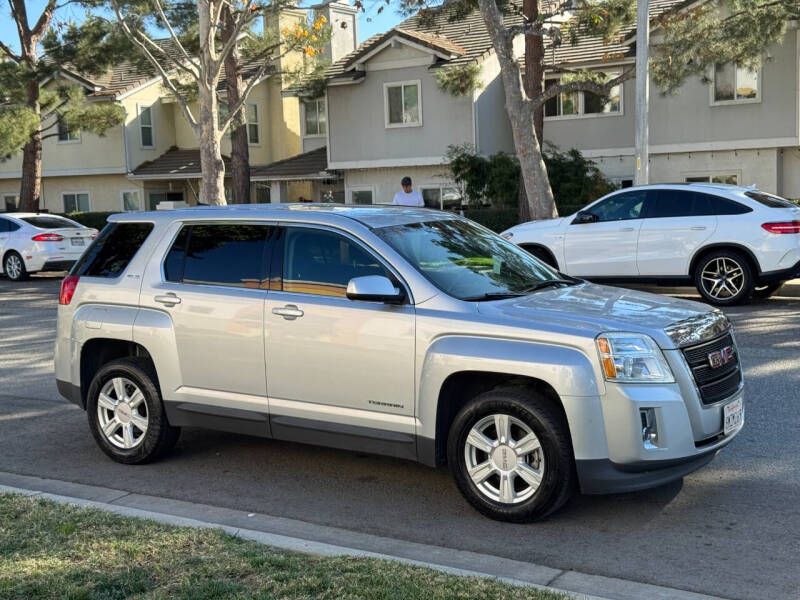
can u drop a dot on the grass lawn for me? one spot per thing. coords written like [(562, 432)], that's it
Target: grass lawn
[(49, 550)]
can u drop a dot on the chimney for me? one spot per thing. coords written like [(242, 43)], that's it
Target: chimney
[(343, 19)]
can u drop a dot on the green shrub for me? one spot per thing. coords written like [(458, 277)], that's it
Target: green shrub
[(90, 219), (495, 218), (576, 181)]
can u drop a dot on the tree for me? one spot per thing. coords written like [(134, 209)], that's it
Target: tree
[(191, 63), (750, 27), (25, 106)]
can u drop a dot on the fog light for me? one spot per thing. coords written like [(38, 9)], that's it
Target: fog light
[(649, 428)]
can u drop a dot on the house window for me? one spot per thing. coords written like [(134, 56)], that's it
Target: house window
[(153, 198), (263, 191), (315, 118), (361, 196), (76, 202), (253, 125), (733, 83), (146, 136), (10, 202), (729, 178), (403, 104), (66, 136), (131, 201), (442, 198), (583, 103)]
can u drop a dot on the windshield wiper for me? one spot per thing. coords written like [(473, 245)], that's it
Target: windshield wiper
[(494, 296), (549, 283)]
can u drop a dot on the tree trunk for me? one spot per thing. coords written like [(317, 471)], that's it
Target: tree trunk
[(31, 183), (212, 183), (240, 152), (534, 173)]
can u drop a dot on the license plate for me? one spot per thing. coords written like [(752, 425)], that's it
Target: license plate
[(732, 416), (77, 241)]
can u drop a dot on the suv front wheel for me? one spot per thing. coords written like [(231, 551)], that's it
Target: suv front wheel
[(126, 414), (510, 454), (724, 278)]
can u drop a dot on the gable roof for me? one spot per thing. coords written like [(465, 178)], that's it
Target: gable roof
[(437, 44), (177, 163), (308, 165)]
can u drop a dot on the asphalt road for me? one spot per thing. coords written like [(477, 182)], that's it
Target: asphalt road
[(731, 529)]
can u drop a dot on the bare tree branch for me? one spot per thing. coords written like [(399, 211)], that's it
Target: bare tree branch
[(171, 31), (8, 52), (584, 85), (44, 20)]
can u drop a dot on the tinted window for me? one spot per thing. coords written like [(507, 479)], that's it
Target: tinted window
[(322, 262), (707, 204), (4, 223), (669, 203), (114, 248), (173, 263), (770, 200), (620, 207), (231, 255), (50, 222)]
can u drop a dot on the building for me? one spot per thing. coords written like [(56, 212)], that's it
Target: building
[(153, 156)]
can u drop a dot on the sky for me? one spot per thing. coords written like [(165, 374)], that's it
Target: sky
[(369, 22)]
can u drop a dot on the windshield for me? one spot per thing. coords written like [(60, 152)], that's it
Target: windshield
[(51, 222), (467, 261)]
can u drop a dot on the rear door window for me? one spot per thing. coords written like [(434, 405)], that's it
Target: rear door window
[(112, 251), (219, 254), (669, 203)]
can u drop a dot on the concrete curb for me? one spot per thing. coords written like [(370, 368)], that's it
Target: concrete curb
[(300, 536)]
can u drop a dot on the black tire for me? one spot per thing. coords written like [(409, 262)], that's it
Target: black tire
[(537, 412), (734, 260), (160, 437), (22, 271), (766, 291), (542, 254)]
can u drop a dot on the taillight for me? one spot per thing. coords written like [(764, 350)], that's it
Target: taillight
[(47, 237), (68, 285), (783, 227), (94, 235)]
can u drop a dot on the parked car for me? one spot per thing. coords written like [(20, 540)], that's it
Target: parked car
[(407, 332), (34, 242), (731, 242)]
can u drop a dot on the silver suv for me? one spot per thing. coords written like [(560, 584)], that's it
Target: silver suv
[(405, 332)]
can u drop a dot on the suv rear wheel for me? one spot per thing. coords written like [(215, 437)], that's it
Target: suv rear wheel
[(510, 454), (126, 414), (724, 278)]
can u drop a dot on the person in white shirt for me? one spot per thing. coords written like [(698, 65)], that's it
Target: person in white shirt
[(408, 196)]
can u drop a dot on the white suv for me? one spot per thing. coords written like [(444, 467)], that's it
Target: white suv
[(731, 242)]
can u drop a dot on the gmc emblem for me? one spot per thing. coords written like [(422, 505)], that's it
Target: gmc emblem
[(721, 357)]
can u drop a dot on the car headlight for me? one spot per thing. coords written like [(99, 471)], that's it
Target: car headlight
[(632, 358)]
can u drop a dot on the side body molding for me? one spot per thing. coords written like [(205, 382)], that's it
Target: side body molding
[(567, 370)]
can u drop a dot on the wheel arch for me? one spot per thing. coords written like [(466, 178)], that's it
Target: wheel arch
[(534, 245), (705, 250), (99, 351)]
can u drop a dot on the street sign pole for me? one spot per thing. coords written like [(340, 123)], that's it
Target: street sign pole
[(642, 175)]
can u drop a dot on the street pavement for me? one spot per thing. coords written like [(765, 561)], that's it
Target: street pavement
[(732, 529)]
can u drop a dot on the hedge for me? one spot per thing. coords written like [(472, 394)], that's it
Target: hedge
[(97, 220), (497, 219)]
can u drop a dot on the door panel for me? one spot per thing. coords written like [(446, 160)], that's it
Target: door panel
[(608, 246)]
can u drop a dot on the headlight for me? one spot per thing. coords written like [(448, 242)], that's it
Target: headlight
[(632, 358)]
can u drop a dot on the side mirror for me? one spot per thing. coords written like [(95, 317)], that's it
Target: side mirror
[(374, 288), (585, 216)]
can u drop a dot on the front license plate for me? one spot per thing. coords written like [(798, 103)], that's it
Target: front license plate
[(732, 416), (77, 241)]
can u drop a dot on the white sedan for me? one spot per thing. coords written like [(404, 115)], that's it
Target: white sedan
[(731, 242), (34, 242)]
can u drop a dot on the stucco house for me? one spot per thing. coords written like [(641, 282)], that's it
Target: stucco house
[(387, 118), (153, 156)]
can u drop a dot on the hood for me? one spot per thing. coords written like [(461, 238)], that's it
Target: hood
[(591, 309), (543, 224)]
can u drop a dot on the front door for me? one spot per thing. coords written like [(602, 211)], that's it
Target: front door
[(336, 368), (606, 247), (214, 288)]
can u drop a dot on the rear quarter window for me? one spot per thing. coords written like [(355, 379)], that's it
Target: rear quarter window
[(113, 250)]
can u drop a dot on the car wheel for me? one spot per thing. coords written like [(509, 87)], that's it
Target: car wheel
[(14, 267), (510, 454), (126, 414), (724, 278), (765, 291), (542, 254)]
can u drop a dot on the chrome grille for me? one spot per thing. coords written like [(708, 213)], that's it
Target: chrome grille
[(718, 383)]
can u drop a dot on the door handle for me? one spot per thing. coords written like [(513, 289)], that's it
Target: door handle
[(698, 228), (289, 312), (168, 299), (626, 228)]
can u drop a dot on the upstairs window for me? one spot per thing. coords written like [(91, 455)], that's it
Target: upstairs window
[(734, 83), (316, 120), (578, 104), (146, 137), (403, 104), (253, 125), (65, 135)]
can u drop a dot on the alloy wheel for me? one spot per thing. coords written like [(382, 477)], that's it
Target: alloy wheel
[(13, 266), (504, 458), (122, 413), (722, 278)]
